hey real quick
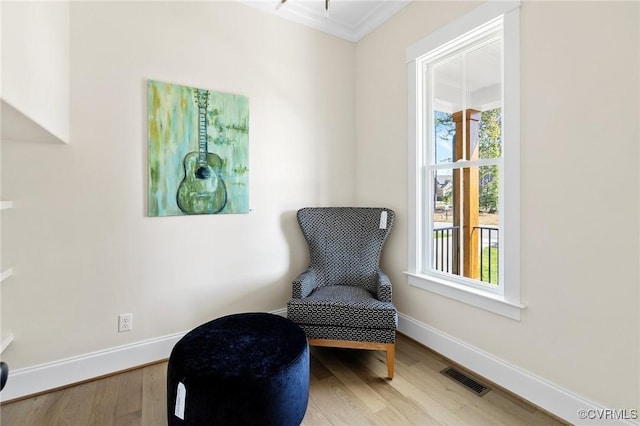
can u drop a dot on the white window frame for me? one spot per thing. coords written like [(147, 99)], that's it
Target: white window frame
[(505, 301)]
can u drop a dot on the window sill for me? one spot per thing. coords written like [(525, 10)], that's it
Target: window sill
[(481, 299)]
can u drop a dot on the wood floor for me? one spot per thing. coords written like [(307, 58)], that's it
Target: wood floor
[(346, 388)]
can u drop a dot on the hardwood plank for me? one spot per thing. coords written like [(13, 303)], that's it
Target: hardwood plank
[(314, 415), (338, 404), (9, 413), (399, 409), (425, 394), (352, 360), (402, 406), (389, 416), (34, 411), (154, 395), (130, 393), (131, 419), (351, 380), (104, 405), (405, 385), (317, 369), (72, 409)]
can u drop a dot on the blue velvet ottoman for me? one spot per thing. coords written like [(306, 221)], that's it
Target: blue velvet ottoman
[(243, 369)]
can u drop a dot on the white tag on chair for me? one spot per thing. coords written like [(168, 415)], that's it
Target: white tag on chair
[(180, 401), (383, 219)]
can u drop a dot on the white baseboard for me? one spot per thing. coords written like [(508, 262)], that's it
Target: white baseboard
[(548, 396), (282, 312), (44, 377)]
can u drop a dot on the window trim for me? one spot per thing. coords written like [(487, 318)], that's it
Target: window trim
[(508, 303)]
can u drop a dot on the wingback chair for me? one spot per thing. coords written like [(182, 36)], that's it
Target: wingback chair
[(343, 299)]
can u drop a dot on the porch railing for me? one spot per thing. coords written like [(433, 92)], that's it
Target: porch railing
[(446, 246), (489, 258)]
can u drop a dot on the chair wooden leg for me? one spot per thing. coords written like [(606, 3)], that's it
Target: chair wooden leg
[(389, 348), (391, 355)]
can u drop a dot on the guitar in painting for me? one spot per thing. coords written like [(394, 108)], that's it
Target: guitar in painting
[(202, 191)]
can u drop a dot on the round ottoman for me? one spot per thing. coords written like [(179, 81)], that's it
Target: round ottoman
[(244, 369)]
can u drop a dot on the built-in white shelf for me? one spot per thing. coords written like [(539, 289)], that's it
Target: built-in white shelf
[(7, 338), (19, 126), (6, 274)]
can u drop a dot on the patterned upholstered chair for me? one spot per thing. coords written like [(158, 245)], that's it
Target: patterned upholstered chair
[(343, 299)]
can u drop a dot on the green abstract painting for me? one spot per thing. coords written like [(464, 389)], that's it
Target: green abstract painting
[(198, 151)]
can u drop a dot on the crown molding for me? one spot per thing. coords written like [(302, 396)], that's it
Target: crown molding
[(349, 20)]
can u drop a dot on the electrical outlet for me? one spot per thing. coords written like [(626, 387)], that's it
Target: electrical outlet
[(125, 322)]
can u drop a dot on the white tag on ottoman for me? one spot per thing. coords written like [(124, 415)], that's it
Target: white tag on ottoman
[(180, 401)]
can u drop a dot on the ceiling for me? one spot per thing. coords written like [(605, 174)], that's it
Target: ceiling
[(347, 19)]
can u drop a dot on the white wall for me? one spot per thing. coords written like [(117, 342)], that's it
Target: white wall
[(579, 224), (35, 70), (80, 243)]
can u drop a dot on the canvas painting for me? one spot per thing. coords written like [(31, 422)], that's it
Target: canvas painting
[(198, 151)]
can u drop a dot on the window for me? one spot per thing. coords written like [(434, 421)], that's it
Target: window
[(464, 160)]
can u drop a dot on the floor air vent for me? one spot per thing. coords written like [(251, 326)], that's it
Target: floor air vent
[(466, 381)]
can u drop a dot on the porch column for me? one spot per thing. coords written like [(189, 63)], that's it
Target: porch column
[(466, 193)]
